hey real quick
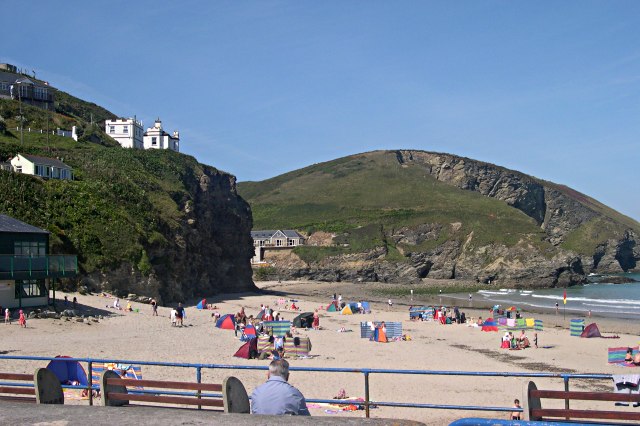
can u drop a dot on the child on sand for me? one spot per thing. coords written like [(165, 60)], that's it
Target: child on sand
[(535, 340), (22, 320), (7, 316), (515, 415)]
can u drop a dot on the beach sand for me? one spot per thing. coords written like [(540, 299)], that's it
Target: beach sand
[(140, 336)]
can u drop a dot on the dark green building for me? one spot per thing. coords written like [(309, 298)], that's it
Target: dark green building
[(27, 270)]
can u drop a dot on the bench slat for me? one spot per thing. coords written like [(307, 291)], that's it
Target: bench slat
[(166, 399), (166, 385), (584, 414), (17, 398), (586, 396), (17, 390), (16, 376)]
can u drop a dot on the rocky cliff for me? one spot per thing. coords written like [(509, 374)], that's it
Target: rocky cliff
[(443, 216)]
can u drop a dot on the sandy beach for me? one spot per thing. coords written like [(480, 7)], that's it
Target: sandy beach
[(140, 336)]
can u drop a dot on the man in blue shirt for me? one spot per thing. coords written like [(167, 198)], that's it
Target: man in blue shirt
[(276, 396)]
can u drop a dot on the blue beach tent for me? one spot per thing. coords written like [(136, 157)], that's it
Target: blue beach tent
[(202, 304), (68, 371)]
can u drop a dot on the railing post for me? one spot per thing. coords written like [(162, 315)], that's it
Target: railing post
[(199, 380), (566, 389), (90, 382), (366, 394)]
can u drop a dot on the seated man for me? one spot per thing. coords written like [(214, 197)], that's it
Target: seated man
[(276, 396)]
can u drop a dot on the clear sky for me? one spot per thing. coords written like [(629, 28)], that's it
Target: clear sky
[(259, 88)]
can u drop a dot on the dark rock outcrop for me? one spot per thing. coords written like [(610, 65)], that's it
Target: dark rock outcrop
[(208, 252)]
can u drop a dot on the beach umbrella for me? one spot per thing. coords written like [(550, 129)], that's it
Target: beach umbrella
[(512, 308)]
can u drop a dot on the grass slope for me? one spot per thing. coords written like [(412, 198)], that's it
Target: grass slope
[(121, 201), (363, 195)]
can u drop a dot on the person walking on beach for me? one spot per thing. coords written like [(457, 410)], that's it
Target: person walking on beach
[(66, 302), (179, 314), (316, 320), (7, 316), (22, 320), (154, 308), (390, 304), (75, 302), (557, 308)]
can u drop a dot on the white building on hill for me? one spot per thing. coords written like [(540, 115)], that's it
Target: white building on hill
[(50, 168), (156, 138), (274, 239), (127, 131)]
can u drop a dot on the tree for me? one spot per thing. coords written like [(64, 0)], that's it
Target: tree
[(3, 125)]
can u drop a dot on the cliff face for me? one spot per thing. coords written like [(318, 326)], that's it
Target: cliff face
[(569, 236), (206, 252)]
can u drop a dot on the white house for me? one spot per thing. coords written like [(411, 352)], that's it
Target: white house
[(274, 239), (45, 167), (156, 138), (127, 131)]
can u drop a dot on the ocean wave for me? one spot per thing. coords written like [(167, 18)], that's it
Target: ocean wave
[(587, 299)]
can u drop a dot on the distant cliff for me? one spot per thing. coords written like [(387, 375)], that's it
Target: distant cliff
[(400, 216)]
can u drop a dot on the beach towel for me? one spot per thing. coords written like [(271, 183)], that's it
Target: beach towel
[(530, 322), (502, 321), (511, 322), (126, 371), (520, 323), (537, 325)]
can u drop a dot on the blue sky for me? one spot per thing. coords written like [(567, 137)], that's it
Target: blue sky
[(259, 88)]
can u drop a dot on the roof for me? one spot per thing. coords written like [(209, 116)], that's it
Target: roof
[(260, 235), (10, 77), (45, 160), (10, 224)]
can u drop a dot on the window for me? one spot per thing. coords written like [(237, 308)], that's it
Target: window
[(154, 141), (18, 169), (290, 242), (112, 129), (125, 129), (30, 288), (29, 248), (278, 243), (55, 172), (39, 170)]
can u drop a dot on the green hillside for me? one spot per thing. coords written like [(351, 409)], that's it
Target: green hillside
[(113, 209), (348, 195), (364, 198)]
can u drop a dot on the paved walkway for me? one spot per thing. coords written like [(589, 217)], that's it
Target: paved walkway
[(16, 413)]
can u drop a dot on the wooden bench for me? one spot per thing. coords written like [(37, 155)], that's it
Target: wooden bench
[(46, 388), (537, 413), (115, 393)]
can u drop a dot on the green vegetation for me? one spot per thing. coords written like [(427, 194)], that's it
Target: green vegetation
[(121, 203), (263, 274), (365, 197)]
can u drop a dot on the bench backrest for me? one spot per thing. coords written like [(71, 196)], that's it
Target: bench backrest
[(46, 387), (234, 398), (536, 412)]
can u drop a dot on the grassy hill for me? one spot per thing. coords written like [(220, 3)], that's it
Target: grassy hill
[(366, 198)]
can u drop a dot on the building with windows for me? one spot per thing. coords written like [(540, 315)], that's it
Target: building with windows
[(49, 168), (27, 270), (14, 85), (274, 239), (156, 138), (128, 132)]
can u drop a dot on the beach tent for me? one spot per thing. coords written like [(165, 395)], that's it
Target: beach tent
[(304, 320), (202, 304), (260, 315), (250, 331), (68, 371), (592, 331), (489, 325), (367, 307), (379, 336), (346, 310), (248, 350), (331, 307), (227, 322)]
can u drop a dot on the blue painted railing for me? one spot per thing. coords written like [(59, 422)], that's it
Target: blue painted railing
[(366, 372)]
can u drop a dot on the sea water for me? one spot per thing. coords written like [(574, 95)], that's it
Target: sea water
[(602, 299)]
